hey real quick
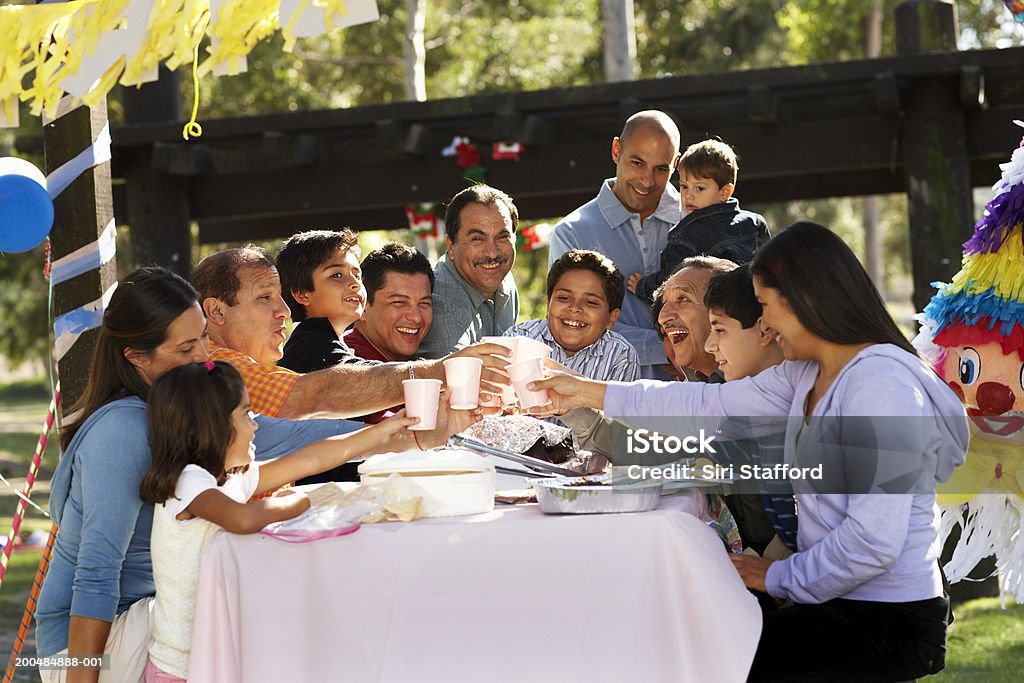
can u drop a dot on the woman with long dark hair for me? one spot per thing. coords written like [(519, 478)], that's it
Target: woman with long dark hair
[(865, 582), (97, 592)]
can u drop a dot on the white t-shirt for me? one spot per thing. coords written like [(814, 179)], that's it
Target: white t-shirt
[(176, 547)]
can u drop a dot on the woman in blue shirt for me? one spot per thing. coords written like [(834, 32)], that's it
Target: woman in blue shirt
[(96, 594)]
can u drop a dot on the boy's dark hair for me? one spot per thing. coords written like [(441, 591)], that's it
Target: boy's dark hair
[(612, 282), (190, 410), (393, 257), (477, 194), (216, 275), (711, 159), (302, 254), (732, 293)]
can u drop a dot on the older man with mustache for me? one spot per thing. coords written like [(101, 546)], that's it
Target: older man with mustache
[(474, 294), (683, 318)]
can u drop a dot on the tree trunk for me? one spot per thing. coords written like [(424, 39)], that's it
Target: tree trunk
[(619, 40), (414, 51)]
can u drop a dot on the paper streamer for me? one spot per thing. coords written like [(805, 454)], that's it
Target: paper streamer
[(87, 258), (68, 327), (94, 155), (30, 606), (30, 481)]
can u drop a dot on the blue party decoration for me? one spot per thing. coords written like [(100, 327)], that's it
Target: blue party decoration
[(26, 213)]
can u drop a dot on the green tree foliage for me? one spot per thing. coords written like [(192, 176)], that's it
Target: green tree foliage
[(482, 47), (23, 307), (678, 38), (833, 30)]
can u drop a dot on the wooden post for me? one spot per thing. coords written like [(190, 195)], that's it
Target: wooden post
[(81, 213), (156, 201), (934, 136)]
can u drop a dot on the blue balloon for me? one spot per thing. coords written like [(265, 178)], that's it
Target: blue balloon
[(26, 213)]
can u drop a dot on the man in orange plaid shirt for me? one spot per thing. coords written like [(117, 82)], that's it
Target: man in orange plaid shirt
[(240, 291)]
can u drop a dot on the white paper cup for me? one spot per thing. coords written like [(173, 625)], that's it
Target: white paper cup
[(524, 373), (462, 375), (421, 399), (529, 349), (509, 343), (508, 394)]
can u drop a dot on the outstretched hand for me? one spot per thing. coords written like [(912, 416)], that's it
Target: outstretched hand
[(566, 392), (393, 433), (495, 358), (449, 421)]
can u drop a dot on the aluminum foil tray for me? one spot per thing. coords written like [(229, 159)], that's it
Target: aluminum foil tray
[(566, 495)]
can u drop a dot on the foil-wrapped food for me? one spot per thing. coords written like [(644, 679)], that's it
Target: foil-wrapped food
[(536, 438)]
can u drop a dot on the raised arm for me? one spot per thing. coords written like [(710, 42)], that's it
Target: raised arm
[(351, 390), (246, 518)]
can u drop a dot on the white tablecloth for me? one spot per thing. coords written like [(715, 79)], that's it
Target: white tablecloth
[(512, 595)]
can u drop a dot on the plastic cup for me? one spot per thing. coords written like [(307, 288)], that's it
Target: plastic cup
[(508, 394), (522, 374), (529, 349), (509, 343), (463, 378), (421, 399)]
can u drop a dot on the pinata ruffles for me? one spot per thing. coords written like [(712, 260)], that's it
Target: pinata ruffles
[(973, 334)]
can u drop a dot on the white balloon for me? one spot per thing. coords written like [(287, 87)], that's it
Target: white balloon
[(16, 166)]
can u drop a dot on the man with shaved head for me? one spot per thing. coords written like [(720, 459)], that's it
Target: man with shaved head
[(629, 221)]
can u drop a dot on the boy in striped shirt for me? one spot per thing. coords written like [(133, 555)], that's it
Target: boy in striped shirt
[(585, 292)]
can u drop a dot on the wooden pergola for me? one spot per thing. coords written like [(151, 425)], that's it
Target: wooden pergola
[(931, 125)]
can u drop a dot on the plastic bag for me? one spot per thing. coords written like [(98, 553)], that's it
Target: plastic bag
[(337, 512)]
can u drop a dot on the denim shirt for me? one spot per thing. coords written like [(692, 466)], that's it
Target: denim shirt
[(723, 230), (462, 315)]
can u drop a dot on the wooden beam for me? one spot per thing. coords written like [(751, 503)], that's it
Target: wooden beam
[(936, 163), (81, 213), (156, 201)]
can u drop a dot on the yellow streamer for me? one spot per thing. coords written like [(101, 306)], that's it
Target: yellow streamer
[(192, 128), (42, 44)]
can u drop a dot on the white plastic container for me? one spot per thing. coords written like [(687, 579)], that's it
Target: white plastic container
[(452, 481)]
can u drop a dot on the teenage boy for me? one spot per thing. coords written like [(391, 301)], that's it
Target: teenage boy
[(322, 284), (585, 292), (714, 224), (743, 347)]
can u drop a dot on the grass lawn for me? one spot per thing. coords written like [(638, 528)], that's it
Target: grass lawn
[(985, 644)]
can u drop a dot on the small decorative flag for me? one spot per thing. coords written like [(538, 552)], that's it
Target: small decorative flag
[(506, 150), (449, 151), (422, 219), (467, 155), (533, 237)]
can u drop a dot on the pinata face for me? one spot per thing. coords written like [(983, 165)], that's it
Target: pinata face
[(988, 382), (979, 316)]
